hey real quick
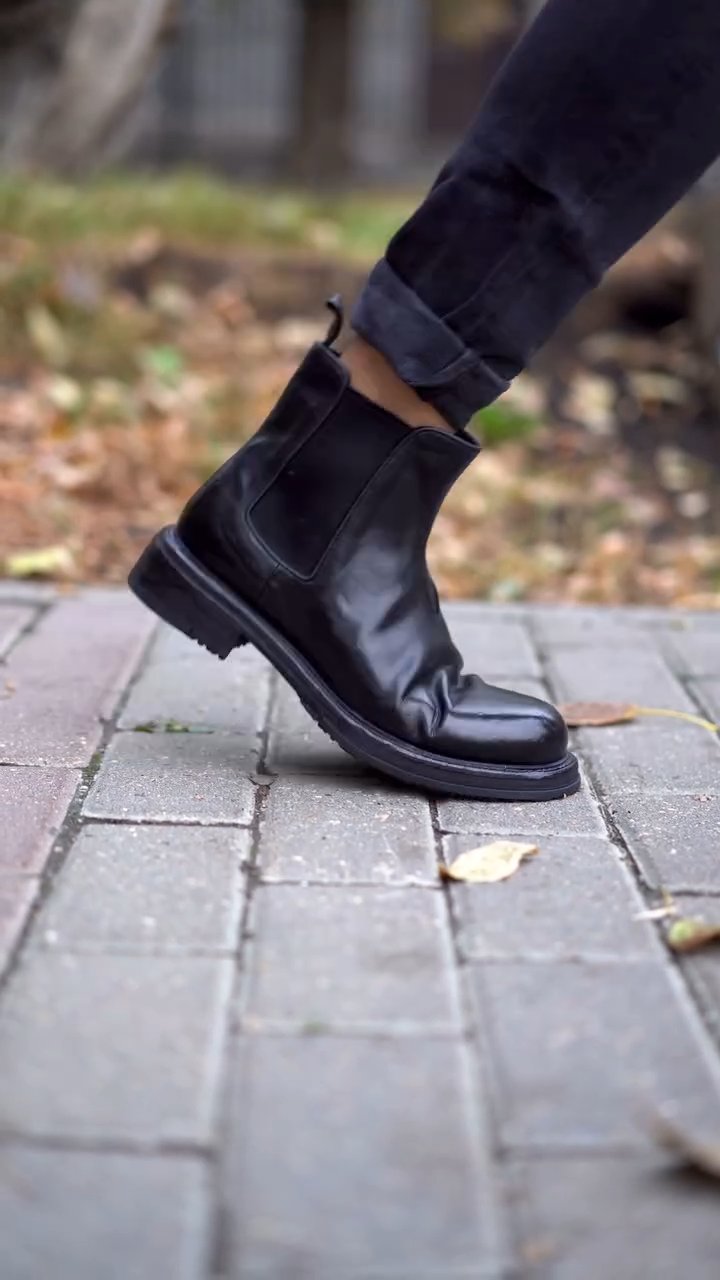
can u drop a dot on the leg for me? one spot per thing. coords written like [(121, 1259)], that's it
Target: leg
[(310, 542), (603, 116)]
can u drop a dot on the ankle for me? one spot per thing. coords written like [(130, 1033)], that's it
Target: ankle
[(374, 377)]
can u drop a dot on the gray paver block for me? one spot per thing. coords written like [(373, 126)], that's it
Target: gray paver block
[(585, 1219), (674, 838), (702, 968), (27, 592), (694, 651), (170, 645), (707, 693), (33, 803), (68, 675), (339, 956), (576, 625), (617, 675), (576, 815), (492, 648), (650, 754), (144, 888), (13, 619), (175, 777), (77, 1215), (345, 830), (356, 1157), (584, 1053), (574, 899), (298, 745), (17, 894), (198, 691), (113, 1047)]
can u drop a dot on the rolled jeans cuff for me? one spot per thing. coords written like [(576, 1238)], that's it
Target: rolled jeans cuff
[(423, 350)]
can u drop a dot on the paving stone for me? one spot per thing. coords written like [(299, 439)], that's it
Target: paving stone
[(702, 968), (576, 899), (493, 648), (16, 591), (673, 838), (345, 830), (13, 619), (558, 627), (583, 1052), (629, 1219), (576, 815), (694, 651), (175, 777), (356, 1157), (33, 803), (707, 693), (650, 754), (68, 676), (298, 745), (113, 1047), (17, 894), (77, 1215), (170, 645), (351, 957), (229, 697), (143, 888)]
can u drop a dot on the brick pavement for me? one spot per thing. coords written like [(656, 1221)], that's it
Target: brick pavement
[(246, 1033)]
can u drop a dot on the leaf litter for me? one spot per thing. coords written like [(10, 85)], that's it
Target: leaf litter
[(489, 863)]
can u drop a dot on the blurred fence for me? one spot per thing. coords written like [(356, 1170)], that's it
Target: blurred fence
[(229, 91)]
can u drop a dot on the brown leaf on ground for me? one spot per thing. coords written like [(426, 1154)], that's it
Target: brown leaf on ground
[(578, 714), (598, 714), (691, 934), (703, 1156), (489, 863)]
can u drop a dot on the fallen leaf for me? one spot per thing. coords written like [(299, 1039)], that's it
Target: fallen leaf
[(598, 714), (489, 863), (46, 335), (578, 714), (690, 934), (46, 562), (703, 1156)]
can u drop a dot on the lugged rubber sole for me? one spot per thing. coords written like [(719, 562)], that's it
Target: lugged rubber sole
[(171, 582)]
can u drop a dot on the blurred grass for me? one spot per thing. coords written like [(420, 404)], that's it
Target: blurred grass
[(501, 422), (194, 206)]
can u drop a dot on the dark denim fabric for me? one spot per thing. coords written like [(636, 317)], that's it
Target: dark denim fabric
[(602, 117)]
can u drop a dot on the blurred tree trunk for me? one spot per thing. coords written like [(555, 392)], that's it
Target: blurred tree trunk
[(321, 141), (70, 71)]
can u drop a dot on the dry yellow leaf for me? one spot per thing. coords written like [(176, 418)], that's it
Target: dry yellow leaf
[(598, 714), (577, 714), (489, 863)]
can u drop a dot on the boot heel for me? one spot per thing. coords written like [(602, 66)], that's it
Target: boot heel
[(159, 582)]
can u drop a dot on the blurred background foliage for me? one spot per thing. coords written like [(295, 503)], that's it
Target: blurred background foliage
[(182, 183)]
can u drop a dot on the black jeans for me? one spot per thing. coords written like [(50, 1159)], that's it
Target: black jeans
[(602, 117)]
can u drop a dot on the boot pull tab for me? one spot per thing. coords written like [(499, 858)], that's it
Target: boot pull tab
[(336, 324)]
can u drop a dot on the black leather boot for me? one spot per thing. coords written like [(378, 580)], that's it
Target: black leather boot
[(310, 543)]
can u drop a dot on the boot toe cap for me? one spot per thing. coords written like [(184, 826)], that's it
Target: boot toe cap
[(498, 726)]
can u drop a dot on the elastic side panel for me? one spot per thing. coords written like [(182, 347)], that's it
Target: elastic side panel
[(301, 510)]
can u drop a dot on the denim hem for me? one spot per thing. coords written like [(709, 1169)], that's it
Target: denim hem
[(422, 349)]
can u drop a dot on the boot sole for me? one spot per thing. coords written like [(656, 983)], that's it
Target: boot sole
[(171, 582)]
